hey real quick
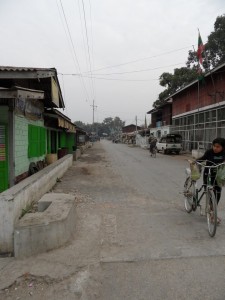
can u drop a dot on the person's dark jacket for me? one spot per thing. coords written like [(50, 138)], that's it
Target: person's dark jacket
[(212, 158)]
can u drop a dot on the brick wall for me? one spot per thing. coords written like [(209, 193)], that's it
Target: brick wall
[(167, 114), (130, 128), (187, 100), (22, 161)]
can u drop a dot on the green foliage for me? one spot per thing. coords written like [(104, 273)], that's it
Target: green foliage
[(214, 47), (174, 82), (109, 126), (215, 52)]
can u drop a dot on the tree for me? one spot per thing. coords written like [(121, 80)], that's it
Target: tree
[(215, 52), (174, 82), (109, 126), (214, 47), (86, 127), (80, 124)]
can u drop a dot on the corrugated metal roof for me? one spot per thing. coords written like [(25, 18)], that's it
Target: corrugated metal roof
[(187, 86), (13, 72), (24, 69), (196, 81)]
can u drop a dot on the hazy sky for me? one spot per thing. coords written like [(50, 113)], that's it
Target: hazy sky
[(142, 37)]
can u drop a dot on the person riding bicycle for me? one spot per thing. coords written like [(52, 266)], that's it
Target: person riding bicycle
[(152, 145), (214, 156)]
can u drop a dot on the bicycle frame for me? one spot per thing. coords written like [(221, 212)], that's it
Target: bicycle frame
[(208, 186), (193, 196)]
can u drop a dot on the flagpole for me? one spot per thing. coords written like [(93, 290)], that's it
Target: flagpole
[(201, 49), (208, 65), (195, 115)]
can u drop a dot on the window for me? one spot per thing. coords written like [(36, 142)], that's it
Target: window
[(190, 120), (163, 140), (176, 121), (221, 113), (36, 141)]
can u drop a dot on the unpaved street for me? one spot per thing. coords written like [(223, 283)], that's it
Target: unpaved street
[(133, 240)]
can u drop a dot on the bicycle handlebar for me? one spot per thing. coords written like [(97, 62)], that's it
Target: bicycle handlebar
[(209, 167)]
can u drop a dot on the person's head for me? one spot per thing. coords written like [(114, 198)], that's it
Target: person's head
[(218, 145)]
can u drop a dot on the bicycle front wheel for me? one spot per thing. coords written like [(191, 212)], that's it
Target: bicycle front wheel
[(211, 212), (189, 193)]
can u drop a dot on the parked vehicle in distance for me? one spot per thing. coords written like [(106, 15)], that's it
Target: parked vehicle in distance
[(170, 143)]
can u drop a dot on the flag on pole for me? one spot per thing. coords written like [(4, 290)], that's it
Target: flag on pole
[(200, 48), (201, 77)]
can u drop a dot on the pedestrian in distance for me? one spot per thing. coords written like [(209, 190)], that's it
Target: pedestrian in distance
[(152, 145)]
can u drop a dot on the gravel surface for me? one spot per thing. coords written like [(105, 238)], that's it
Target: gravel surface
[(133, 239)]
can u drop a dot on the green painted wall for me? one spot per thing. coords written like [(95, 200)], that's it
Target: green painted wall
[(62, 139), (70, 142), (22, 161), (4, 170)]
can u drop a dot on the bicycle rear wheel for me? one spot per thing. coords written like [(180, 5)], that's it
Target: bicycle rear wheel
[(189, 192), (211, 212), (154, 153)]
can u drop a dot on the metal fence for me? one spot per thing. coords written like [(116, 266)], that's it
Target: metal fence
[(199, 129)]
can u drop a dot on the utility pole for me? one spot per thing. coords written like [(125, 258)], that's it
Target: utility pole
[(93, 107)]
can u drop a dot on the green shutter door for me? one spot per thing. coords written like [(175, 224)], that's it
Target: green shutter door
[(3, 159)]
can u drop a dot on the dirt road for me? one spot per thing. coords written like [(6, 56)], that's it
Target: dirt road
[(132, 239)]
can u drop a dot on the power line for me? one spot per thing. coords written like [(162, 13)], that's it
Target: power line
[(88, 47), (92, 41), (117, 79), (138, 71), (141, 59), (120, 73), (82, 32), (110, 79), (74, 51)]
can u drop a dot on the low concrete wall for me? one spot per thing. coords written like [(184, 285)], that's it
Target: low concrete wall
[(13, 200), (46, 230), (76, 154), (79, 151)]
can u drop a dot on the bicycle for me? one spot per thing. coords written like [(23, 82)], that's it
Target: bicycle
[(153, 152), (193, 199)]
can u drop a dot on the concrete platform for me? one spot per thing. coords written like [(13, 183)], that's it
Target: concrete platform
[(21, 195), (49, 228)]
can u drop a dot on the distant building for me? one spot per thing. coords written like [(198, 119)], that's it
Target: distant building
[(130, 128), (161, 119)]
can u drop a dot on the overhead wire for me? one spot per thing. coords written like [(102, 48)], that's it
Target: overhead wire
[(141, 59), (112, 79), (83, 37), (88, 46), (138, 71), (92, 41), (74, 52), (120, 73)]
